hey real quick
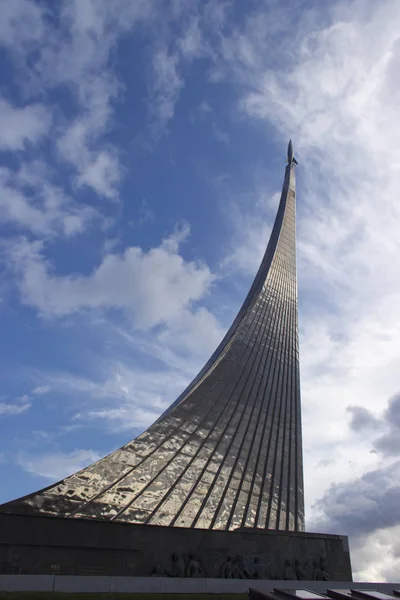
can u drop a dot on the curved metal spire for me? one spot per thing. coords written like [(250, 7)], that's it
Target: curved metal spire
[(228, 451)]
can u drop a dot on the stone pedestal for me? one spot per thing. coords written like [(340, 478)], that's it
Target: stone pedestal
[(40, 545)]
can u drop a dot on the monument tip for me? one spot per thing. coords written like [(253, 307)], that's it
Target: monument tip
[(290, 155)]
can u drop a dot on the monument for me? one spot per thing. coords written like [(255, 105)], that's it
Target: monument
[(215, 486)]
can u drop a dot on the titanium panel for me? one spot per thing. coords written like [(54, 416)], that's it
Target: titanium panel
[(227, 453)]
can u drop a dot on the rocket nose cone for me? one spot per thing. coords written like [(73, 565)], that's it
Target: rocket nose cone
[(290, 150)]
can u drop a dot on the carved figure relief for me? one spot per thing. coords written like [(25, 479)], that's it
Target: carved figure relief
[(226, 570), (194, 568), (234, 568), (158, 571), (258, 569), (239, 570), (245, 567), (321, 571), (326, 575), (301, 569), (178, 566), (289, 572), (182, 567)]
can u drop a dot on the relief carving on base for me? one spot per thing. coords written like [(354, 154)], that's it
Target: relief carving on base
[(246, 566), (182, 565), (321, 571)]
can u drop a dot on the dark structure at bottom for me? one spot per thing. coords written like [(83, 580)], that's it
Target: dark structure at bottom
[(32, 544)]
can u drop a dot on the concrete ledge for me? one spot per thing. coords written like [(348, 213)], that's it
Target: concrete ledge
[(166, 585), (26, 583), (233, 586), (126, 585), (81, 583), (183, 586)]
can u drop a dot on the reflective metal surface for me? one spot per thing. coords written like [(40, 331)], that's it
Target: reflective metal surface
[(228, 451)]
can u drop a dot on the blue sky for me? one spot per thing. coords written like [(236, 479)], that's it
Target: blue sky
[(142, 148)]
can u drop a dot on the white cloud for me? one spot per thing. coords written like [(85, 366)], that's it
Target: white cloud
[(14, 409), (197, 330), (377, 555), (174, 53), (76, 56), (155, 286), (100, 170), (22, 403), (191, 42), (165, 87), (128, 398), (135, 375), (102, 174), (24, 398), (81, 61), (251, 228), (220, 135), (57, 465), (29, 200), (204, 108), (40, 390), (21, 23), (21, 125), (121, 394)]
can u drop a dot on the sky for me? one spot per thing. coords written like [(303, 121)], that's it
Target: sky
[(142, 153)]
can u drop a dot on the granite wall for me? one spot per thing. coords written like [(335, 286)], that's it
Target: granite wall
[(30, 544)]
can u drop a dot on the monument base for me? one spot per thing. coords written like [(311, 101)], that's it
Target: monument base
[(40, 545)]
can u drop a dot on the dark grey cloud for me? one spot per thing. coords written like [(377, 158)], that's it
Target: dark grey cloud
[(325, 462), (367, 509), (389, 442), (362, 418), (396, 548), (361, 506), (392, 414)]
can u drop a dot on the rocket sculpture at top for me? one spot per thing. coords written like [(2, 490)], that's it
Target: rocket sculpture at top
[(290, 156)]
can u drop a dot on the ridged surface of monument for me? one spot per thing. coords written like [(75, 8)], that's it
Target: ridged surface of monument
[(228, 452)]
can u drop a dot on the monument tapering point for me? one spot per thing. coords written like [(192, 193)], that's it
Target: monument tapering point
[(227, 453)]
